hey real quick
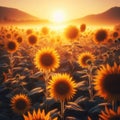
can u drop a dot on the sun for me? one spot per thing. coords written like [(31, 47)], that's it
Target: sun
[(58, 16)]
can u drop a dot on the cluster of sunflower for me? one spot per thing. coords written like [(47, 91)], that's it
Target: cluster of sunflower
[(103, 78)]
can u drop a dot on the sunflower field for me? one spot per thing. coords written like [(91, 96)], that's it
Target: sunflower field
[(67, 74)]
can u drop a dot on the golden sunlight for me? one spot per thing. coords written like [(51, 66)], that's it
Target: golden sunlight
[(58, 16)]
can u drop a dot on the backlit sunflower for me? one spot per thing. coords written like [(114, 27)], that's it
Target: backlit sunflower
[(20, 103), (71, 32), (45, 30), (62, 87), (11, 46), (47, 59), (107, 82), (32, 39), (85, 59), (110, 114), (38, 116), (101, 36), (82, 27)]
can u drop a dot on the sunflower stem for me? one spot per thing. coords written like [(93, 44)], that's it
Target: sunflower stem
[(90, 77), (47, 75), (114, 105), (11, 64), (62, 109)]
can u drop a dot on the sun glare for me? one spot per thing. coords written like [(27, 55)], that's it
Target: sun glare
[(58, 16)]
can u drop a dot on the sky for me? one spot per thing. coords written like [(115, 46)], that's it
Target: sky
[(72, 9)]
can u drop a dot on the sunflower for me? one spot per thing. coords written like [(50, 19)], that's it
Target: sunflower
[(82, 27), (107, 82), (100, 36), (29, 31), (110, 114), (19, 39), (20, 103), (45, 30), (8, 35), (62, 87), (71, 32), (115, 34), (32, 39), (47, 59), (11, 46), (85, 59), (38, 115)]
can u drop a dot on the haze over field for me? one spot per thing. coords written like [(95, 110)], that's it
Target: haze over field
[(110, 16), (72, 9)]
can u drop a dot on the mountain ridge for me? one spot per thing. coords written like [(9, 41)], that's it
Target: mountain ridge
[(8, 14), (110, 16)]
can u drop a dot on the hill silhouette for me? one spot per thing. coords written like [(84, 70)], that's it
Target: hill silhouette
[(15, 15), (111, 16)]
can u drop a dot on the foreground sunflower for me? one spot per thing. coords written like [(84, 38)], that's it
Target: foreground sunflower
[(38, 116), (107, 82), (100, 36), (62, 87), (110, 114), (85, 59), (20, 103), (47, 59), (11, 46)]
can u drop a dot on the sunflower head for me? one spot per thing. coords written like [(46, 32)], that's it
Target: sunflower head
[(29, 31), (100, 36), (8, 35), (11, 46), (32, 39), (107, 82), (71, 32), (85, 59), (115, 34), (20, 103), (110, 114), (47, 59), (19, 39), (82, 27), (45, 30), (62, 87), (38, 115)]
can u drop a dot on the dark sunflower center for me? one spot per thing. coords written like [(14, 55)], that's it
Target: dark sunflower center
[(19, 39), (101, 35), (8, 35), (21, 104), (85, 59), (47, 60), (112, 83), (115, 34), (62, 88), (32, 39), (116, 117), (11, 45)]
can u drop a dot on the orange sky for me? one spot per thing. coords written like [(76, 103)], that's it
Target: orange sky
[(72, 8)]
